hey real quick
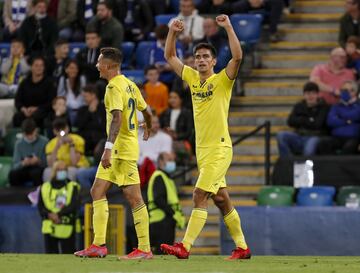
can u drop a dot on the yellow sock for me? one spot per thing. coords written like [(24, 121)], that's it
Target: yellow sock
[(100, 219), (233, 224), (141, 222), (196, 223)]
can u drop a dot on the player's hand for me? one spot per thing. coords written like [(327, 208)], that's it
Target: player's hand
[(105, 159), (54, 218), (146, 134), (223, 20), (177, 25)]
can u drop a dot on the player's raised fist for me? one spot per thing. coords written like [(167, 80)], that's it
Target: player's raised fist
[(177, 25), (223, 20)]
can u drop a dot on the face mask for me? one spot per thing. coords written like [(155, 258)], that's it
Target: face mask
[(61, 175), (345, 95), (170, 166), (40, 16), (29, 141)]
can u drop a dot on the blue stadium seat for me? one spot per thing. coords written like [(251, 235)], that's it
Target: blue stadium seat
[(223, 57), (316, 196), (128, 49), (142, 55), (163, 19), (4, 50), (247, 27), (136, 75), (74, 48)]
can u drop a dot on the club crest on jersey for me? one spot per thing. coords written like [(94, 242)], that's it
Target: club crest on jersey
[(130, 89)]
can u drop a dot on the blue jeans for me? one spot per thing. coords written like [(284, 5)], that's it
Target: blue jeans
[(86, 176), (291, 143)]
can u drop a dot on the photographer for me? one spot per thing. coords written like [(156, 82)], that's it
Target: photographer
[(66, 147), (29, 156)]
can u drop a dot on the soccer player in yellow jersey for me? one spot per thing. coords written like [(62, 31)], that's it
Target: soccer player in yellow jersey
[(121, 152), (211, 95)]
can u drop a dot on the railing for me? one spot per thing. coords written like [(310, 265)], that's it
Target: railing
[(267, 162)]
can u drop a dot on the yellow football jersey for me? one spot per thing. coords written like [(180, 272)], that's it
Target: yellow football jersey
[(122, 94), (211, 100)]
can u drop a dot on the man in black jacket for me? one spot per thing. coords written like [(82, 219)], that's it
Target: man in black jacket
[(349, 22), (308, 118)]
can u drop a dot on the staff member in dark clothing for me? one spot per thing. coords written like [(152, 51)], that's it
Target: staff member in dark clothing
[(163, 204), (58, 206)]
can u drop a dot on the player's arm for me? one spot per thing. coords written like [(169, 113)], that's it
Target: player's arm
[(113, 133), (170, 47), (147, 117), (235, 48)]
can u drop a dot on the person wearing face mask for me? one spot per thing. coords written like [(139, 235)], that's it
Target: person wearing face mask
[(29, 158), (39, 31), (344, 122), (163, 204), (58, 206)]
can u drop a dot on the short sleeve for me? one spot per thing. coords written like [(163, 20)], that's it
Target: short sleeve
[(50, 146), (316, 72), (115, 100), (188, 74), (226, 82), (140, 102), (79, 144)]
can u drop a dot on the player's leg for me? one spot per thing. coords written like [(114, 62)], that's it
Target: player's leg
[(232, 221), (132, 193)]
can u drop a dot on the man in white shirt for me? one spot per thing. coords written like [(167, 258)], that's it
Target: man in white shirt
[(193, 23)]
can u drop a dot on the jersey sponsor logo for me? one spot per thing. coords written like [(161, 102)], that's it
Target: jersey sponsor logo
[(202, 95)]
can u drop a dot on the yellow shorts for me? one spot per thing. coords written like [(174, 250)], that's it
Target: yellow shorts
[(122, 172), (213, 164)]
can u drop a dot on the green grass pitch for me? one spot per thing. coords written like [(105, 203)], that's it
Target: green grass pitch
[(32, 263)]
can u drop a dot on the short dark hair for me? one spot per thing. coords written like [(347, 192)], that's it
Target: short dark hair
[(161, 31), (28, 126), (61, 42), (206, 46), (90, 88), (112, 53), (150, 67), (92, 30), (354, 40), (17, 40), (106, 3), (311, 87), (59, 124), (37, 57), (58, 98), (35, 2)]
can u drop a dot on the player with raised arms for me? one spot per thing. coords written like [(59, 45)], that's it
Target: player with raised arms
[(211, 95)]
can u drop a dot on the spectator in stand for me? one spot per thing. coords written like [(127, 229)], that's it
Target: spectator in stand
[(109, 28), (212, 35), (39, 31), (159, 6), (165, 213), (91, 119), (14, 13), (58, 110), (349, 22), (157, 143), (352, 48), (85, 11), (58, 206), (181, 86), (157, 93), (29, 158), (35, 94), (273, 7), (308, 118), (138, 20), (13, 69), (64, 12), (57, 62), (70, 87), (193, 23), (179, 124), (157, 58), (66, 147), (344, 122), (87, 56), (329, 77)]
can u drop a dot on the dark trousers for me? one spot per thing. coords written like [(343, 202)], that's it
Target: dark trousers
[(330, 145), (273, 7), (38, 117), (25, 174), (59, 246), (162, 233)]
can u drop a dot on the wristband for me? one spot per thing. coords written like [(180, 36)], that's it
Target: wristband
[(109, 145)]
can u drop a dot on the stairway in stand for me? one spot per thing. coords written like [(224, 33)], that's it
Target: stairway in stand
[(270, 92)]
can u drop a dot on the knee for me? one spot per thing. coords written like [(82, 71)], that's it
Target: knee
[(200, 197), (219, 201)]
